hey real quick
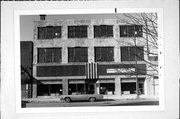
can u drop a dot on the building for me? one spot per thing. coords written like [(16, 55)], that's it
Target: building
[(103, 56), (26, 68)]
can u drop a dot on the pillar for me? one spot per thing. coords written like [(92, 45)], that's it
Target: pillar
[(64, 53), (117, 54), (97, 88), (118, 86), (91, 54), (65, 86), (34, 89)]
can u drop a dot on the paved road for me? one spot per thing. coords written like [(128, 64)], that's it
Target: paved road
[(97, 103)]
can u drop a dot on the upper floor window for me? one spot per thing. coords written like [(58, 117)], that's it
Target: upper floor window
[(77, 31), (132, 53), (47, 55), (104, 54), (131, 31), (78, 54), (49, 32), (103, 31), (153, 54)]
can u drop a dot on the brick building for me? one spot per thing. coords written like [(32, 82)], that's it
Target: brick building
[(94, 56)]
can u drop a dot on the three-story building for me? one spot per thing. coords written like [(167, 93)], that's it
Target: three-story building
[(103, 56)]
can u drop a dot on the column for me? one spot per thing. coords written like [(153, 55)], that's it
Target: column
[(90, 32), (118, 86), (91, 54), (65, 55), (65, 86), (117, 54), (34, 89), (97, 88), (116, 31)]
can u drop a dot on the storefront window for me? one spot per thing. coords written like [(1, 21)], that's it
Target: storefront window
[(107, 88)]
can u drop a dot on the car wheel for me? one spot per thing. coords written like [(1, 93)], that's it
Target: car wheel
[(92, 99), (67, 99)]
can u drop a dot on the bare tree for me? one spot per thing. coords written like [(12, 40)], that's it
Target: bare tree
[(149, 39), (148, 21)]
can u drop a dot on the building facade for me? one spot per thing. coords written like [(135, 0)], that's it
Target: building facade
[(26, 68), (103, 56)]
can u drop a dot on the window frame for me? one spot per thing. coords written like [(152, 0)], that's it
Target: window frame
[(132, 28), (132, 57), (77, 31), (103, 31), (49, 32), (73, 58), (53, 56), (106, 57)]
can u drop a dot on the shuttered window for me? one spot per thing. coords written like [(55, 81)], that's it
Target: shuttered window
[(103, 31), (77, 31), (104, 54), (131, 31), (132, 53), (78, 54), (47, 55), (49, 32)]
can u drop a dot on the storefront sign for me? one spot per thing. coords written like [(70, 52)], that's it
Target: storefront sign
[(121, 70)]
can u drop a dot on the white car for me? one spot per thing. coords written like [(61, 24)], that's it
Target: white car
[(81, 97)]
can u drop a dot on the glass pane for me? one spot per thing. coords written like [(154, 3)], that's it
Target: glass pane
[(41, 55), (57, 55)]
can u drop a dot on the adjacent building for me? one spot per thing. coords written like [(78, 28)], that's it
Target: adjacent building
[(103, 56), (26, 68)]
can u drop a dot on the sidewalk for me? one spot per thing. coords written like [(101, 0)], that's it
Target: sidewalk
[(130, 97), (43, 99), (113, 97)]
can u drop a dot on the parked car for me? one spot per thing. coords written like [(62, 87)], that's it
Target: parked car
[(81, 97)]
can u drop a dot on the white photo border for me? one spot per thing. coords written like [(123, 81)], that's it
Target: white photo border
[(160, 107)]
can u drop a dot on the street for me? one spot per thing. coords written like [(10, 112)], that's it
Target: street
[(134, 102)]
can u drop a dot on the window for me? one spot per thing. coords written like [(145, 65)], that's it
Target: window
[(77, 31), (49, 32), (153, 54), (78, 54), (129, 53), (104, 54), (103, 31), (47, 55), (129, 31)]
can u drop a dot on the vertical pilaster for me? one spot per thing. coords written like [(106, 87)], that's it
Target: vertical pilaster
[(34, 89), (91, 54), (118, 86), (90, 32), (64, 32), (65, 87), (64, 55), (97, 88), (116, 31), (117, 54)]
